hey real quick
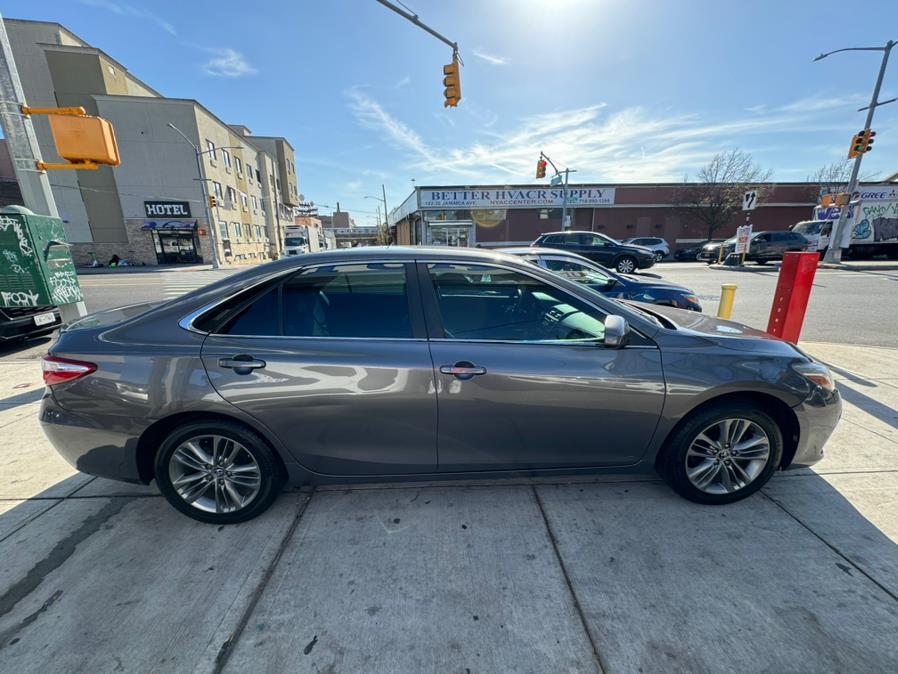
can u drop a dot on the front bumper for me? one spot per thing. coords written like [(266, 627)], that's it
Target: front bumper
[(89, 445), (818, 417)]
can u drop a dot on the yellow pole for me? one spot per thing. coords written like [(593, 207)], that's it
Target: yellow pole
[(727, 297)]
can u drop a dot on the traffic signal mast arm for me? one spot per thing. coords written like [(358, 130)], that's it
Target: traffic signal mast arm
[(451, 75)]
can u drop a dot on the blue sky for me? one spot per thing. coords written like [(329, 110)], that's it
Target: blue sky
[(621, 90)]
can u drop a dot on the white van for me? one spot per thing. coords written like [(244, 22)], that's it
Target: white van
[(872, 218)]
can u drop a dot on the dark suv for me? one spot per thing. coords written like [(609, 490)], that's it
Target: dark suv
[(599, 248), (767, 246)]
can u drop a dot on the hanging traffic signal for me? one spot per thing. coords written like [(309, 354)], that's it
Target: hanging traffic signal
[(541, 168), (861, 142), (452, 82), (213, 202), (868, 140)]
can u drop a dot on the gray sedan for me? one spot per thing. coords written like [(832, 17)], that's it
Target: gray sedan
[(415, 363)]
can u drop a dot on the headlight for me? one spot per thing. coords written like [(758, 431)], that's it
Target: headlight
[(691, 299), (817, 373)]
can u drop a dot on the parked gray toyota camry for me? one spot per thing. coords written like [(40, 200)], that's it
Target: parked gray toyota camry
[(414, 363)]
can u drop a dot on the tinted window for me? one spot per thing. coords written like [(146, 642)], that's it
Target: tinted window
[(348, 300), (590, 240), (490, 303), (259, 318), (553, 238)]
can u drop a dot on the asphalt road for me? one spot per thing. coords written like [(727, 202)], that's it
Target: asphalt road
[(853, 307)]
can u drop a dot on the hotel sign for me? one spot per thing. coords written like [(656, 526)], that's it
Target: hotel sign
[(536, 197), (170, 209)]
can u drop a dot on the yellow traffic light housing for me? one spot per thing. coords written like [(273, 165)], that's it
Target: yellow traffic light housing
[(452, 82), (861, 142), (541, 168), (213, 202), (81, 139)]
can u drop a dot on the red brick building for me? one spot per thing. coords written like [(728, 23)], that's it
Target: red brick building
[(493, 215)]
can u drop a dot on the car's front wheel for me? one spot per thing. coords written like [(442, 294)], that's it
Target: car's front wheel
[(218, 472), (723, 453), (625, 264)]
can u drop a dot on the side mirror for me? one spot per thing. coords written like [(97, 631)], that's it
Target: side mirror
[(616, 331)]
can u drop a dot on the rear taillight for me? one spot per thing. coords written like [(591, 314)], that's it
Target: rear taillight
[(59, 370)]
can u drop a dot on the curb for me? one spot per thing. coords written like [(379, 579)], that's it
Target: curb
[(893, 266), (148, 269), (754, 268)]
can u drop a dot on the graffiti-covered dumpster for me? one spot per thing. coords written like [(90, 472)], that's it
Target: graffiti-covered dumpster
[(36, 267)]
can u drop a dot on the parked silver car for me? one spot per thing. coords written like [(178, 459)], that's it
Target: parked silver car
[(416, 363), (656, 244)]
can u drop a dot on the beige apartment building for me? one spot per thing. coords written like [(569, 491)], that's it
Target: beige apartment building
[(151, 209)]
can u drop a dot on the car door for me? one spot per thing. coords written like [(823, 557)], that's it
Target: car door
[(523, 379), (760, 247), (334, 361), (595, 248)]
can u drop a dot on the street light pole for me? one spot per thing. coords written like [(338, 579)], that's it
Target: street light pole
[(213, 225), (834, 250)]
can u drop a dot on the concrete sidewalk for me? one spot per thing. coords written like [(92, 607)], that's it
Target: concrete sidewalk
[(596, 574)]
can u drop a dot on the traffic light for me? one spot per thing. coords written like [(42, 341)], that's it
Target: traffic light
[(861, 142), (213, 202), (541, 168), (452, 82)]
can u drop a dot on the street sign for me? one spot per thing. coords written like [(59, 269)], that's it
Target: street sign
[(743, 236), (750, 200), (555, 181)]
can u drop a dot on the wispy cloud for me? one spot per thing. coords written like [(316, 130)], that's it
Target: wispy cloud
[(128, 10), (492, 59), (633, 144), (227, 62), (405, 81)]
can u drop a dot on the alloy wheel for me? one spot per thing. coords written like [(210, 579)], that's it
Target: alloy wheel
[(215, 474), (626, 266), (727, 456)]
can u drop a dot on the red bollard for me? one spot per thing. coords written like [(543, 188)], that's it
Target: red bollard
[(793, 289)]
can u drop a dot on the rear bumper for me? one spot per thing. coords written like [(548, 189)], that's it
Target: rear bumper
[(89, 445), (817, 419), (24, 326)]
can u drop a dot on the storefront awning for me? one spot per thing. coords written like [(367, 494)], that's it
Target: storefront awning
[(163, 225)]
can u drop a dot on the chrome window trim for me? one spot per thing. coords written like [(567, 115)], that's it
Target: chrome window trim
[(546, 342)]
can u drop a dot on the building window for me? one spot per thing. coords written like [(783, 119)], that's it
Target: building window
[(235, 228), (258, 233), (210, 148), (223, 230), (262, 204), (247, 231), (216, 188), (258, 176), (243, 200), (238, 164), (226, 156), (232, 198), (255, 203)]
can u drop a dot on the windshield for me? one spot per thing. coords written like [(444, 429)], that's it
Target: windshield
[(294, 241), (812, 227)]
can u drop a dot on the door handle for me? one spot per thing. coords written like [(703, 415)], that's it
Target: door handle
[(242, 364), (462, 370)]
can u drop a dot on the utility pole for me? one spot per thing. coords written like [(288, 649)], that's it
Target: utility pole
[(24, 150), (834, 250), (564, 185)]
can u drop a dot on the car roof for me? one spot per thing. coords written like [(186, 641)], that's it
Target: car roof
[(569, 231)]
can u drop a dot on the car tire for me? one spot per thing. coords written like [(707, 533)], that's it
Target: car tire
[(684, 462), (658, 256), (761, 261), (626, 264), (239, 464)]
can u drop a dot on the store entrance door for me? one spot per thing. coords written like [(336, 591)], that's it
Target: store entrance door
[(176, 247), (454, 234)]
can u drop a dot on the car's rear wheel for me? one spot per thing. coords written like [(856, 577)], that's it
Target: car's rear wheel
[(218, 472), (723, 453), (659, 256), (625, 264)]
